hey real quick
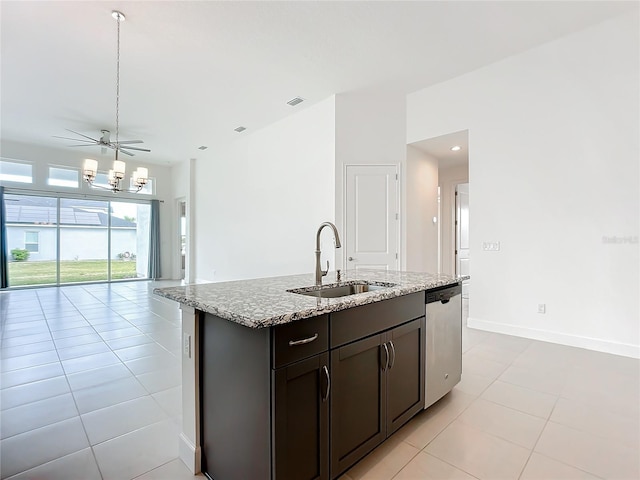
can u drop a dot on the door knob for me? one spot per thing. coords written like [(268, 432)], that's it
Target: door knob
[(350, 259)]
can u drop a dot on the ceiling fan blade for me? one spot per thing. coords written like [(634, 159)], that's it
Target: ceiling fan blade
[(122, 142), (81, 145), (135, 148), (81, 134), (74, 139), (125, 152)]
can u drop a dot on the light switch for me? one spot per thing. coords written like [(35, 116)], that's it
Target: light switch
[(491, 246)]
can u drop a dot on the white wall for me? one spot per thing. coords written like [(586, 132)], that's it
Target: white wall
[(448, 178), (42, 158), (370, 128), (259, 201), (421, 234), (554, 137)]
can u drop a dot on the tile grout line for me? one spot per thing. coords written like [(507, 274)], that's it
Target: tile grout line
[(84, 428), (51, 308)]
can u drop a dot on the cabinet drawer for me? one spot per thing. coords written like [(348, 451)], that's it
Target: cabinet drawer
[(359, 322), (301, 339)]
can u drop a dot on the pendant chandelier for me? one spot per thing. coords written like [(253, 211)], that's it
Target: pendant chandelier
[(116, 175)]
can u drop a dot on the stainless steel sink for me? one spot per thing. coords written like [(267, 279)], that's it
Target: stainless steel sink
[(336, 291)]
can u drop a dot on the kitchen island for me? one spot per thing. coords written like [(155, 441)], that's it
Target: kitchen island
[(282, 380)]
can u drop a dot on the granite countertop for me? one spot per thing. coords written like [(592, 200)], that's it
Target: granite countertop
[(265, 302)]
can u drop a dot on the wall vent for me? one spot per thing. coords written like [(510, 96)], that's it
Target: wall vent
[(202, 147), (240, 129)]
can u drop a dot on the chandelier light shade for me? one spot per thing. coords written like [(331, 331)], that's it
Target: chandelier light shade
[(117, 174)]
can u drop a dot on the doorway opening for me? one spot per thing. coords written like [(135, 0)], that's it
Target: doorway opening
[(182, 238), (447, 168), (462, 235)]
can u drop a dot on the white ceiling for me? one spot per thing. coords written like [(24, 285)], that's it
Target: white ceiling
[(192, 71)]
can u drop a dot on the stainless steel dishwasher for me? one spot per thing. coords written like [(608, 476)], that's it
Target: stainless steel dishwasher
[(443, 342)]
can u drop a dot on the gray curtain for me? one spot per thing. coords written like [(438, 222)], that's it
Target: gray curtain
[(4, 273), (154, 241)]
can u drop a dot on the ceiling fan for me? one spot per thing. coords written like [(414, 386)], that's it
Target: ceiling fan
[(105, 142)]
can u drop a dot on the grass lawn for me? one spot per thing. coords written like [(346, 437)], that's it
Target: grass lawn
[(44, 273)]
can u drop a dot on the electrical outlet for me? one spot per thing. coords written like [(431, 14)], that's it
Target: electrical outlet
[(186, 345), (542, 308)]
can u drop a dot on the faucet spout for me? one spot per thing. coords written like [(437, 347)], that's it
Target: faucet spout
[(319, 272)]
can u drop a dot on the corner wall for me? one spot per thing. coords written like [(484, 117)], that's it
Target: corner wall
[(554, 177), (421, 233), (258, 202)]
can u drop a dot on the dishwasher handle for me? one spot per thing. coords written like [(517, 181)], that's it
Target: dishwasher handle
[(443, 296)]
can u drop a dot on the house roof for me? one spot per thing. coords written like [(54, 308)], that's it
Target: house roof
[(31, 210)]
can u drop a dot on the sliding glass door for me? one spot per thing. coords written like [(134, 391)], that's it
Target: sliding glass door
[(84, 240), (32, 239), (62, 240), (129, 240)]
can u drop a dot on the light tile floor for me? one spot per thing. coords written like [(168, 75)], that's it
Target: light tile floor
[(524, 410), (90, 384)]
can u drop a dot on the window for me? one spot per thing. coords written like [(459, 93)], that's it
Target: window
[(84, 240), (63, 177), (31, 241), (16, 172), (76, 240), (102, 180)]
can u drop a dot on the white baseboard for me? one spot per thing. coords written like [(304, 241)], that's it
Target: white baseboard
[(189, 454), (596, 344)]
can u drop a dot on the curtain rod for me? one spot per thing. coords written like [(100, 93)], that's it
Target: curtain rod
[(86, 196)]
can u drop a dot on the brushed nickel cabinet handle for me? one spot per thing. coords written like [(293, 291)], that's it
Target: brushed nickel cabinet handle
[(393, 355), (326, 374), (293, 343), (386, 357)]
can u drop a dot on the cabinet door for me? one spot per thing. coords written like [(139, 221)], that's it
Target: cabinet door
[(301, 429), (405, 375), (357, 404)]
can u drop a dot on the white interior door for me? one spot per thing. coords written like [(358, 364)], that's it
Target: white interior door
[(462, 234), (371, 203)]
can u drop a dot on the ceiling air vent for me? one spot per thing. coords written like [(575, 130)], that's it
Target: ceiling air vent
[(240, 129), (202, 147), (295, 101)]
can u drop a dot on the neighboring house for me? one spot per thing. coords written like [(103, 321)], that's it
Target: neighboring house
[(84, 227)]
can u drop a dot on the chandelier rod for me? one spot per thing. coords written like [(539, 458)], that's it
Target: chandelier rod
[(119, 16), (141, 176)]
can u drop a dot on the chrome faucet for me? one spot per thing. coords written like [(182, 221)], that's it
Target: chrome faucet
[(319, 272)]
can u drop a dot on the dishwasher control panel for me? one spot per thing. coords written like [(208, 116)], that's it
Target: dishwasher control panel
[(443, 294)]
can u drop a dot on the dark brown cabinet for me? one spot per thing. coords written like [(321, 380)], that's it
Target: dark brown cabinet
[(308, 399), (301, 419), (377, 387), (405, 374), (357, 402)]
